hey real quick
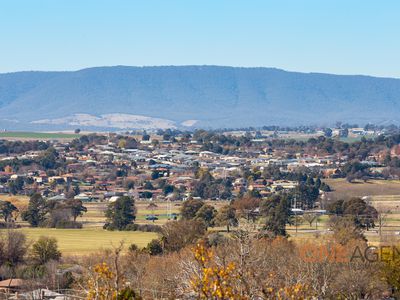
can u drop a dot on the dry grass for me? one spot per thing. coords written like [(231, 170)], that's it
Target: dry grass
[(384, 195), (345, 190), (88, 240)]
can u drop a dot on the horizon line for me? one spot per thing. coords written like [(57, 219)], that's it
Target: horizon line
[(199, 65)]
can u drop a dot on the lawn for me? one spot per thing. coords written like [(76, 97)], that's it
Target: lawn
[(37, 135), (88, 240)]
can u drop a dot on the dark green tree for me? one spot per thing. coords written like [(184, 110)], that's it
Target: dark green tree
[(206, 213), (277, 213), (121, 213), (328, 132), (148, 186), (16, 185), (36, 212), (167, 189), (77, 208), (49, 159), (226, 216), (363, 214), (154, 247), (190, 208), (6, 210)]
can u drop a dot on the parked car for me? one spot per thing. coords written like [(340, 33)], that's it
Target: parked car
[(151, 218)]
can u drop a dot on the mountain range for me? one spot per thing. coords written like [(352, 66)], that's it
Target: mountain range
[(122, 97)]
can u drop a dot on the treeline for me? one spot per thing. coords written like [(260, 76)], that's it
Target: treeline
[(42, 212), (221, 143), (48, 160), (17, 147), (207, 187), (187, 261)]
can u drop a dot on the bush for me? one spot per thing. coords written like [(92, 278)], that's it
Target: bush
[(109, 226), (133, 248), (9, 225), (69, 224), (178, 234), (154, 247), (136, 227), (215, 239), (44, 250), (131, 227), (62, 224), (149, 228)]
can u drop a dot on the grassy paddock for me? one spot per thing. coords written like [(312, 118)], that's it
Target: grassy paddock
[(85, 241), (345, 190), (384, 195), (37, 135)]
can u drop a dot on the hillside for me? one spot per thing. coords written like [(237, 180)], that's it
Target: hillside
[(203, 96)]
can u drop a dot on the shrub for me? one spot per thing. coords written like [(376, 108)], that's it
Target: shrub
[(44, 250), (154, 247), (136, 227)]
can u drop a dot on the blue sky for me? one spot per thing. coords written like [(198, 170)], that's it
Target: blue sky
[(332, 36)]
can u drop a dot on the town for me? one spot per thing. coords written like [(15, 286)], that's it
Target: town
[(147, 196), (164, 165)]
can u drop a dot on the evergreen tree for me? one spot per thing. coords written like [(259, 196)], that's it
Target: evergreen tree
[(6, 210), (207, 214), (121, 213), (190, 208), (36, 212), (277, 213)]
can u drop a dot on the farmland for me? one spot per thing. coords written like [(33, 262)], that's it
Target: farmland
[(88, 240), (375, 188), (95, 214), (92, 237), (26, 135), (384, 195)]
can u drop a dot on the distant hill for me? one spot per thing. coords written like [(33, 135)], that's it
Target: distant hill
[(201, 96)]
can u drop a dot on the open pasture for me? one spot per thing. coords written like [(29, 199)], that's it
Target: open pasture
[(345, 190), (26, 135), (95, 214), (88, 240), (384, 195)]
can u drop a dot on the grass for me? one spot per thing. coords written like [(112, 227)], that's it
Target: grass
[(374, 188), (37, 135), (92, 237), (384, 195), (12, 198), (89, 240), (95, 214)]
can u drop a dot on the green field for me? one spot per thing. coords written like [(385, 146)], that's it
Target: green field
[(88, 240), (92, 237), (37, 135), (94, 217)]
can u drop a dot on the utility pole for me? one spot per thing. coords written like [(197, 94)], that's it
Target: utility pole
[(169, 209), (295, 213)]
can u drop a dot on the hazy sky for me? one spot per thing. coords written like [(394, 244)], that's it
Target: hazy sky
[(333, 36)]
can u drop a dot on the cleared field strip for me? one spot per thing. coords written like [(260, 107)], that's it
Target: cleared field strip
[(87, 240), (37, 135)]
